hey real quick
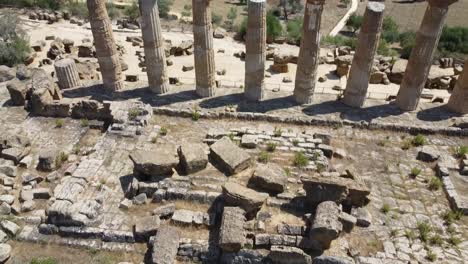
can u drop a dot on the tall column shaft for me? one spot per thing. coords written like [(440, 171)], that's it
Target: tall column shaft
[(368, 42), (66, 73), (106, 50), (255, 50), (155, 57), (308, 60), (458, 101), (420, 60), (203, 48)]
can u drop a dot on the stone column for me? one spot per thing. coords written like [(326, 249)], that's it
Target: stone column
[(67, 74), (369, 36), (255, 50), (458, 101), (203, 48), (106, 50), (420, 60), (308, 59), (155, 57)]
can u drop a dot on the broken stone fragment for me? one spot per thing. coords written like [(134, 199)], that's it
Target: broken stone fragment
[(228, 157), (164, 245), (363, 216), (145, 227), (232, 235), (428, 154), (192, 157), (18, 92), (247, 199), (9, 227), (269, 177), (326, 225), (164, 210), (249, 141), (46, 160), (5, 251), (290, 255), (158, 162)]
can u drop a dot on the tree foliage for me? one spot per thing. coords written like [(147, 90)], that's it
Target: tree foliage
[(290, 7), (454, 39), (274, 27), (294, 29), (14, 44), (355, 22), (164, 7)]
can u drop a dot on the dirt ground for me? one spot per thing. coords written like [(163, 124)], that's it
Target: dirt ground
[(409, 14)]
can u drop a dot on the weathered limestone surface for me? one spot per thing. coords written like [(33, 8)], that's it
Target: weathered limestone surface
[(255, 50), (231, 234), (369, 36), (270, 177), (165, 245), (67, 74), (106, 49), (326, 224), (155, 57), (458, 101), (158, 162), (192, 157), (229, 157), (203, 48), (18, 92), (420, 60), (309, 53), (248, 199), (290, 255)]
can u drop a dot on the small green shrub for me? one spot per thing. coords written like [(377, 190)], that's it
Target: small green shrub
[(454, 240), (460, 151), (263, 157), (431, 256), (424, 229), (76, 149), (419, 140), (59, 123), (435, 183), (300, 160), (216, 19), (415, 172), (436, 240), (163, 131), (274, 27), (406, 144), (410, 234), (154, 140), (164, 7), (47, 260), (132, 11), (385, 208), (451, 216), (277, 132), (294, 29), (195, 115), (60, 159), (295, 142), (84, 122), (271, 146), (394, 232), (133, 113), (287, 171)]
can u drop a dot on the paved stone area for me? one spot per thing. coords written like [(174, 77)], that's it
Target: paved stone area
[(399, 202)]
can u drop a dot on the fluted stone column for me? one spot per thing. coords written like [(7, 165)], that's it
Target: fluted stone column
[(255, 50), (106, 50), (420, 60), (67, 74), (369, 36), (155, 57), (308, 60), (458, 101), (203, 48)]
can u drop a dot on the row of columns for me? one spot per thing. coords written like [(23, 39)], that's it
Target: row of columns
[(408, 96)]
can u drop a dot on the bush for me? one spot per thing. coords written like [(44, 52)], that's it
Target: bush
[(132, 11), (435, 184), (415, 171), (340, 41), (385, 208), (454, 240), (407, 42), (294, 29), (277, 132), (163, 131), (164, 7), (187, 11), (61, 158), (461, 151), (424, 229), (390, 30), (242, 27), (216, 19), (84, 122), (454, 39), (274, 27), (263, 157), (431, 256), (113, 11), (385, 50), (419, 140), (451, 216), (195, 115), (15, 48), (300, 160), (271, 146), (78, 9), (355, 22), (59, 123)]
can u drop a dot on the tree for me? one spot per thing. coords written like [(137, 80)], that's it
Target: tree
[(216, 19), (187, 11), (232, 14), (294, 29), (407, 42), (454, 39), (390, 30), (132, 11), (354, 22), (164, 7), (290, 7), (14, 43), (274, 27)]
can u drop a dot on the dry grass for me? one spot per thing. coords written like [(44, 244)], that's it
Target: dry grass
[(409, 15)]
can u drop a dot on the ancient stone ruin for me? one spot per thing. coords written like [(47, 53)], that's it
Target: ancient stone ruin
[(95, 165)]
